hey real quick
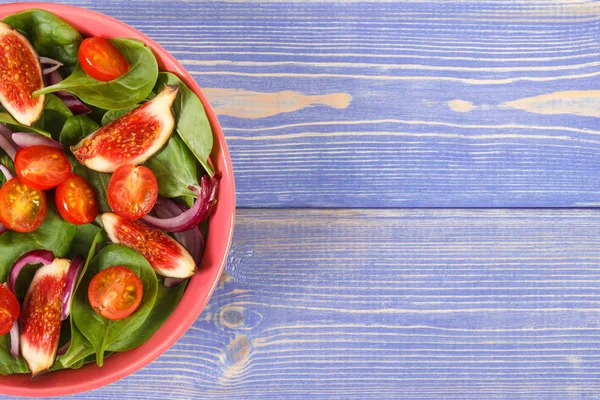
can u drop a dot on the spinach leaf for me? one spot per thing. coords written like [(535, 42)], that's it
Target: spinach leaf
[(192, 123), (7, 119), (166, 301), (50, 36), (54, 234), (85, 235), (80, 346), (175, 169), (8, 364), (125, 91), (114, 114), (54, 116), (100, 331), (76, 128)]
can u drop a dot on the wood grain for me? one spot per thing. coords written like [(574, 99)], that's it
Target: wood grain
[(393, 136), (394, 304)]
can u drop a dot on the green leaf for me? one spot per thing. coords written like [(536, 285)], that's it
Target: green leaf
[(175, 169), (100, 331), (54, 234), (50, 36), (166, 301), (80, 346), (85, 235), (99, 182), (7, 119), (122, 92), (8, 364), (192, 123), (54, 116), (76, 128)]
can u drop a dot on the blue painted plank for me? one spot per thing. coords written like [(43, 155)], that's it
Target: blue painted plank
[(387, 104), (397, 304)]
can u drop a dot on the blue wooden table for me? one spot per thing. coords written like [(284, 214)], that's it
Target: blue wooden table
[(416, 183)]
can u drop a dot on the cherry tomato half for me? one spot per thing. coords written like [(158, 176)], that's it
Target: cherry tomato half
[(115, 293), (101, 60), (9, 309), (132, 191), (42, 167), (76, 201), (22, 208)]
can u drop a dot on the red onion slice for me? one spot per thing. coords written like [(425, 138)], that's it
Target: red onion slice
[(64, 348), (7, 133), (28, 139), (71, 281), (6, 172), (14, 339), (196, 214), (75, 105), (44, 257), (53, 65), (2, 229), (8, 147), (191, 239)]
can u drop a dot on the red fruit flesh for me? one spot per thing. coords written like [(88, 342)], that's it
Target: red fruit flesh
[(132, 138), (20, 76), (40, 316), (166, 256)]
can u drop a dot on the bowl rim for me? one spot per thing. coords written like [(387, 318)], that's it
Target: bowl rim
[(221, 151)]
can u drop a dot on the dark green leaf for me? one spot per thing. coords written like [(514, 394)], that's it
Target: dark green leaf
[(192, 123), (50, 36), (100, 331), (76, 128), (123, 92), (8, 364), (175, 169), (83, 239), (7, 119), (54, 116), (7, 162), (54, 234), (166, 301)]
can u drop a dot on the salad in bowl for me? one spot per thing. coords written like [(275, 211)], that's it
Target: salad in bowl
[(107, 196)]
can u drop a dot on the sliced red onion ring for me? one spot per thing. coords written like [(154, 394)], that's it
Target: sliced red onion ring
[(197, 213), (191, 239), (64, 348), (53, 65), (8, 147), (75, 105), (71, 281), (7, 133), (28, 139), (6, 172), (2, 229), (14, 339), (44, 257)]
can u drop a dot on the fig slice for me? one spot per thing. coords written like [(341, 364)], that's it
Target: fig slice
[(132, 138), (20, 76), (166, 256), (40, 316)]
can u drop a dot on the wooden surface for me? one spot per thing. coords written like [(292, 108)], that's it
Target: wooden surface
[(332, 109)]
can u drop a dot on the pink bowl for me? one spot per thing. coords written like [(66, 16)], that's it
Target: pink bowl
[(201, 286)]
